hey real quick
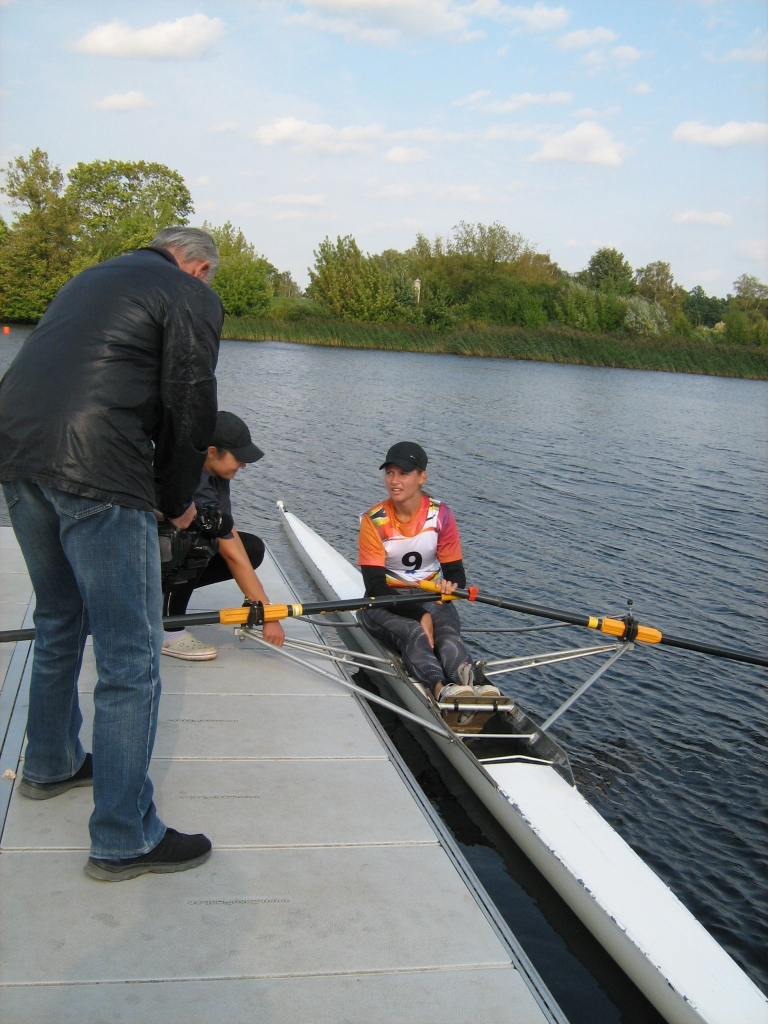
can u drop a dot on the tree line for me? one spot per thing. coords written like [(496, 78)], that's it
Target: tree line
[(488, 274), (479, 273)]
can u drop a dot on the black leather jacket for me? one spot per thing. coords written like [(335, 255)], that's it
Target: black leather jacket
[(113, 395)]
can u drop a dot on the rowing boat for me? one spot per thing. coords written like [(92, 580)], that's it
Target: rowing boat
[(523, 777)]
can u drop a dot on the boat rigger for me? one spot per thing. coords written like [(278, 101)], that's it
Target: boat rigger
[(527, 786)]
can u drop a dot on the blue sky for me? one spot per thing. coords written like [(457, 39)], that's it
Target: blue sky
[(642, 125)]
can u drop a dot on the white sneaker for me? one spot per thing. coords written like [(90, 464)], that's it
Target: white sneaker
[(487, 690), (188, 648), (449, 693)]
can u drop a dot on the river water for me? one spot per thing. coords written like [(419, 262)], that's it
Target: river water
[(574, 487)]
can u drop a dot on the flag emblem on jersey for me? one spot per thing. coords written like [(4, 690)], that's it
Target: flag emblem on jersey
[(379, 516)]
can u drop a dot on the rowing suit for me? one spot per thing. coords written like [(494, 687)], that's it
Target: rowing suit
[(395, 554), (413, 551)]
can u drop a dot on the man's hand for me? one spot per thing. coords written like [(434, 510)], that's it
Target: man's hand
[(273, 633), (446, 587), (428, 626), (184, 520)]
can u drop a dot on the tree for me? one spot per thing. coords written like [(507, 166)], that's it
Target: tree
[(38, 254), (349, 284), (655, 282), (488, 243), (703, 310), (121, 205), (751, 293), (243, 278), (608, 270)]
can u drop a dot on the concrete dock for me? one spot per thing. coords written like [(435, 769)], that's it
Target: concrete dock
[(333, 894)]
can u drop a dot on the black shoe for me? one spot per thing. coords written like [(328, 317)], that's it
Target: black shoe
[(174, 852), (45, 790)]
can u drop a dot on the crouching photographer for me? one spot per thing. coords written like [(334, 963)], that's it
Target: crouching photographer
[(211, 550)]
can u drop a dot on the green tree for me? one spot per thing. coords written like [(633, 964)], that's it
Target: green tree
[(608, 270), (352, 286), (121, 205), (243, 278), (38, 254), (703, 310)]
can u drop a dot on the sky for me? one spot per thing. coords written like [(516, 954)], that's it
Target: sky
[(633, 123)]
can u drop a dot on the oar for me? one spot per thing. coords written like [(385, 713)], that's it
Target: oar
[(625, 629), (256, 614)]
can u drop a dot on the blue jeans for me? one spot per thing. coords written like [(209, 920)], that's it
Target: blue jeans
[(95, 565)]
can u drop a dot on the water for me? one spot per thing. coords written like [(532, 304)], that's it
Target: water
[(576, 487)]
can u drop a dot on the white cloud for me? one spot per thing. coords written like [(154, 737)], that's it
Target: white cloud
[(708, 275), (642, 89), (224, 126), (573, 243), (510, 133), (204, 179), (383, 21), (476, 101), (618, 56), (591, 114), (758, 52), (585, 38), (753, 249), (732, 133), (404, 155), (462, 193), (304, 136), (124, 101), (538, 18), (588, 143), (716, 218), (297, 200), (181, 39)]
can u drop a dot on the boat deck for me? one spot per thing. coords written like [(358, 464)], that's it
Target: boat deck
[(333, 893)]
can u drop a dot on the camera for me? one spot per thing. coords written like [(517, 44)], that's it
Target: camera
[(184, 554)]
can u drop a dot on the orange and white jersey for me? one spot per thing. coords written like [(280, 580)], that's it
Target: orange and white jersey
[(412, 551)]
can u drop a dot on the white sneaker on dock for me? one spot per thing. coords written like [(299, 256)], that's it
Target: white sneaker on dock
[(187, 647)]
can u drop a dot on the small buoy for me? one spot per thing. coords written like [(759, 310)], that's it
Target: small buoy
[(6, 329)]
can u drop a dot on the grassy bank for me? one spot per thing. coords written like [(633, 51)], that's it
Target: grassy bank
[(551, 345)]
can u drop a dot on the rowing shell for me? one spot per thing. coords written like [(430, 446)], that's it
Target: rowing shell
[(654, 938)]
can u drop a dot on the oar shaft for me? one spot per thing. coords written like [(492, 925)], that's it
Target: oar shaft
[(270, 612), (613, 627)]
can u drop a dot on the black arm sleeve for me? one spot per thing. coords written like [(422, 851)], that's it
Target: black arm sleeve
[(375, 579), (454, 573), (188, 394)]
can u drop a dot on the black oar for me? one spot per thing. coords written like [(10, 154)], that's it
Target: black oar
[(624, 629), (257, 613)]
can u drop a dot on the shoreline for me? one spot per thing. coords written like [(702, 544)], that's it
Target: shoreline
[(675, 355)]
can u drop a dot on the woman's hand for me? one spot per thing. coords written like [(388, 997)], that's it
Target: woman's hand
[(273, 633), (428, 627), (446, 587)]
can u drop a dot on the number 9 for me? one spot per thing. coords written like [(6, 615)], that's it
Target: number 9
[(413, 560)]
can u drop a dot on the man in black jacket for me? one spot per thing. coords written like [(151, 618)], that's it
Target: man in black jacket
[(106, 414)]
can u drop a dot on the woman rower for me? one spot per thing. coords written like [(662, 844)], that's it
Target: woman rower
[(408, 538)]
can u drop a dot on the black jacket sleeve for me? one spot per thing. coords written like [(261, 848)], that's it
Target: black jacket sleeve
[(454, 573), (375, 579), (192, 330)]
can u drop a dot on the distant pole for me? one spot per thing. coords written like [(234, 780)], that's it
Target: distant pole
[(417, 289)]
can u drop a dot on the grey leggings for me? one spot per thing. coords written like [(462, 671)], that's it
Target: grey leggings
[(410, 641)]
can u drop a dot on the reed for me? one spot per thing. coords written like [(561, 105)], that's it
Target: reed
[(545, 344)]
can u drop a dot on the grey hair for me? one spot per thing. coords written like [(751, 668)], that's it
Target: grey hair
[(192, 243)]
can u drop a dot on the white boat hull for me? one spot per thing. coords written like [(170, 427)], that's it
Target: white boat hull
[(659, 944)]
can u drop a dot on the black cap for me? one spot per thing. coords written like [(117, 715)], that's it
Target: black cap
[(233, 435), (407, 455)]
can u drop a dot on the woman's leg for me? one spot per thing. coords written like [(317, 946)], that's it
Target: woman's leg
[(409, 640), (454, 657)]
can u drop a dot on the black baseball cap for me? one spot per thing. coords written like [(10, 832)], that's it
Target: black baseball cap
[(407, 455), (232, 435)]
